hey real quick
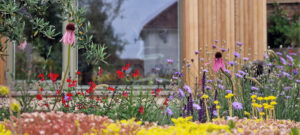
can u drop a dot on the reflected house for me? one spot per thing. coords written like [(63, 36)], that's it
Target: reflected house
[(160, 36)]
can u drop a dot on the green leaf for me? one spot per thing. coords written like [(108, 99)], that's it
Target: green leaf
[(294, 131)]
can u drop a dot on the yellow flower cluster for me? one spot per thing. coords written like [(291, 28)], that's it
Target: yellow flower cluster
[(4, 131), (4, 90), (184, 126), (268, 103), (229, 95), (204, 96), (15, 107)]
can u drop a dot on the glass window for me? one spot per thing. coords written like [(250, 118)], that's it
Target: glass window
[(141, 33)]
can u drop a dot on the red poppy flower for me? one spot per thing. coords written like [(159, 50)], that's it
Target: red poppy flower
[(141, 110), (125, 94), (41, 89), (53, 77), (136, 74), (126, 67), (69, 94), (57, 92), (39, 97), (111, 89), (41, 76), (100, 72), (78, 73), (66, 105), (120, 74), (69, 80), (166, 102)]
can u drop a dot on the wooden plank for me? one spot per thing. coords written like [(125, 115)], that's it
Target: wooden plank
[(264, 29), (246, 25), (255, 28), (2, 66), (201, 33), (282, 1)]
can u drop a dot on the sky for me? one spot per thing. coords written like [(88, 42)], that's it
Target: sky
[(135, 14)]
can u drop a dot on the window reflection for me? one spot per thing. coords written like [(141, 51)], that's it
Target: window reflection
[(142, 33)]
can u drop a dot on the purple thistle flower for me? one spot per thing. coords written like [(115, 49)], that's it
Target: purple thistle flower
[(228, 91), (170, 61), (239, 43), (181, 93), (196, 106), (207, 87), (196, 52), (290, 58), (238, 75), (231, 63), (187, 88), (254, 88), (287, 88), (213, 46), (242, 72), (237, 105), (169, 111), (236, 54), (221, 86), (245, 58), (283, 61)]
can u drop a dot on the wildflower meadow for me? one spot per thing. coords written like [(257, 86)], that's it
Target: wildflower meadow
[(228, 96)]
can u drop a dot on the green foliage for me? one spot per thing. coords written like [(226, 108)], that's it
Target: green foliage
[(294, 131), (281, 29)]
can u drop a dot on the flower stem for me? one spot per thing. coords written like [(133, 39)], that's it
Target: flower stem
[(207, 115)]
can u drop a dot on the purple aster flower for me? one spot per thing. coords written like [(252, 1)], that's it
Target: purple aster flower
[(297, 81), (174, 77), (287, 97), (196, 52), (171, 97), (209, 81), (214, 46), (67, 98), (242, 72), (227, 71), (239, 43), (215, 113), (236, 54), (269, 64), (292, 53), (287, 88), (169, 111), (221, 86), (207, 88), (266, 56), (290, 58), (231, 63), (219, 81), (283, 61), (187, 88), (216, 41), (205, 70), (196, 106), (237, 105), (181, 93), (228, 91), (254, 88), (286, 74), (245, 58), (279, 53), (223, 50), (238, 75), (170, 61)]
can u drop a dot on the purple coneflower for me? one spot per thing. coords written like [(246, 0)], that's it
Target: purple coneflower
[(69, 36), (218, 62), (169, 111), (236, 54), (23, 45), (196, 106), (237, 105)]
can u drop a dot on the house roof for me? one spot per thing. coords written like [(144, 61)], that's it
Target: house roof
[(168, 18)]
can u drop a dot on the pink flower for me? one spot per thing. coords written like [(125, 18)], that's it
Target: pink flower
[(218, 62), (69, 36), (23, 45)]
